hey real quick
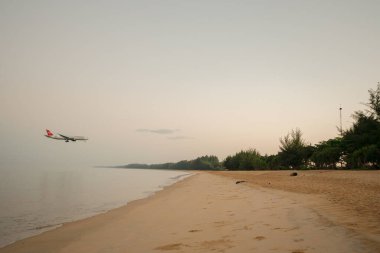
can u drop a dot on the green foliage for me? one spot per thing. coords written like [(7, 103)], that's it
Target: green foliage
[(365, 131), (327, 153), (293, 152), (367, 156), (361, 143), (272, 161), (245, 160), (164, 166), (292, 140), (200, 163), (206, 163), (374, 102)]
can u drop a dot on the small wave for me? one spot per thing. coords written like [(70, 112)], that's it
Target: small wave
[(46, 226), (180, 176)]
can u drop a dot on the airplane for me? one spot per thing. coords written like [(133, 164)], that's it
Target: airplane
[(64, 137)]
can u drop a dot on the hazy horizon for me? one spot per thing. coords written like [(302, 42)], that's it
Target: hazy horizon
[(164, 81)]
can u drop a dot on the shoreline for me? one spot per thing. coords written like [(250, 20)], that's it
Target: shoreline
[(202, 213), (67, 227), (47, 227)]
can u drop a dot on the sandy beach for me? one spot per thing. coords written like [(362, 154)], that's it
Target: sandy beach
[(349, 198), (318, 211)]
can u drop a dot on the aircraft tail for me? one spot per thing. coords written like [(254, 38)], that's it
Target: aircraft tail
[(49, 133)]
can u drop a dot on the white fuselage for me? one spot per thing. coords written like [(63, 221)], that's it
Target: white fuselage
[(66, 138)]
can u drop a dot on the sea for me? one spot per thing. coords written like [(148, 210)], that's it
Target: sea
[(38, 200)]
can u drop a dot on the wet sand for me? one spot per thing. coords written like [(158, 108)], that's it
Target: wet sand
[(209, 212)]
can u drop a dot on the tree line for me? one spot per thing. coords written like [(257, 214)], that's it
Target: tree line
[(201, 163), (357, 147)]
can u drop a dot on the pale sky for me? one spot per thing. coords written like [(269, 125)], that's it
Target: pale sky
[(163, 81)]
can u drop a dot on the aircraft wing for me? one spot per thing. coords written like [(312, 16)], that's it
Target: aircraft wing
[(67, 137)]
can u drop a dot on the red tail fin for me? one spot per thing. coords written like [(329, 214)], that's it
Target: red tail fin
[(49, 133)]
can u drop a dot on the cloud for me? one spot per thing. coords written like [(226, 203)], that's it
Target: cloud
[(165, 131), (180, 138), (157, 131)]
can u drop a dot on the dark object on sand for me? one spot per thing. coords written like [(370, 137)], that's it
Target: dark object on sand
[(241, 181), (293, 174)]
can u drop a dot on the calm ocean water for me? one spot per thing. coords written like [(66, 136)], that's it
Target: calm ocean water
[(34, 201)]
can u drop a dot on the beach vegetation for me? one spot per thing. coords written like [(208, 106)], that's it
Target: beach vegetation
[(374, 102), (201, 163), (357, 147), (361, 142), (327, 154), (293, 152), (245, 160)]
